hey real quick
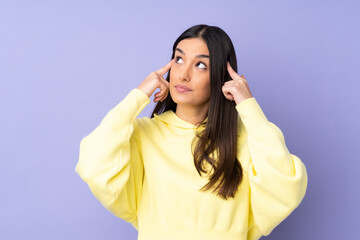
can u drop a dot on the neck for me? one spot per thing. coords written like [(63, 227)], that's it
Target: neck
[(192, 114)]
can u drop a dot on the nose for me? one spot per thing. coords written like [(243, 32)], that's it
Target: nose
[(184, 74)]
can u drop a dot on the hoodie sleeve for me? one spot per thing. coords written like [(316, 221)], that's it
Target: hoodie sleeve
[(110, 160), (277, 178)]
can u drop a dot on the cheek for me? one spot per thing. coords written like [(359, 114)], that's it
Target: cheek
[(206, 84), (172, 74), (204, 87)]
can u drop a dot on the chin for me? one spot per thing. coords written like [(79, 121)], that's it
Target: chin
[(181, 98)]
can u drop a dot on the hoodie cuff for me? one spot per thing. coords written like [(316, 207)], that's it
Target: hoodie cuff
[(130, 107), (250, 110), (140, 92)]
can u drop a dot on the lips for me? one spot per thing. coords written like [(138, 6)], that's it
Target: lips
[(183, 87)]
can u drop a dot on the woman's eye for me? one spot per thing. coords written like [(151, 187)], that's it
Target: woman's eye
[(204, 65), (177, 58)]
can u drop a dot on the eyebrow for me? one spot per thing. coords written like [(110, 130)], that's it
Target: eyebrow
[(198, 56)]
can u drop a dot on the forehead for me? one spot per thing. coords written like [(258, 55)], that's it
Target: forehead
[(193, 46)]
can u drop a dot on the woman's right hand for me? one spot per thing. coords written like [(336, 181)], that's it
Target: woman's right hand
[(155, 80)]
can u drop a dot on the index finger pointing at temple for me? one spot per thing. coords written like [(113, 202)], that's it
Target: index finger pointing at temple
[(165, 69), (231, 71)]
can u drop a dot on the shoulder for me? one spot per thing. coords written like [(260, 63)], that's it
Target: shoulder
[(145, 124)]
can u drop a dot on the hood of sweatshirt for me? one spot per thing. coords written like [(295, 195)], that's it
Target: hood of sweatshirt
[(170, 119)]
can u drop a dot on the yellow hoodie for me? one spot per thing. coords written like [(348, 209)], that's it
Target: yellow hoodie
[(142, 170)]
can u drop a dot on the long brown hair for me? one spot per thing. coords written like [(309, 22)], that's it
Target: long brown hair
[(219, 138)]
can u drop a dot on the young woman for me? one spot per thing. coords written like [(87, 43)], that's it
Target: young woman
[(207, 164)]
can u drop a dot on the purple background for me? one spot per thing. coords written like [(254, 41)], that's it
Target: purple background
[(65, 64)]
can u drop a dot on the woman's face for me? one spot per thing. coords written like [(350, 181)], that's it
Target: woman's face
[(191, 70)]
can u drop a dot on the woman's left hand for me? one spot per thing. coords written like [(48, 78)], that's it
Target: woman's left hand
[(236, 89)]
